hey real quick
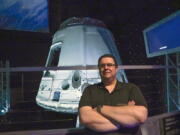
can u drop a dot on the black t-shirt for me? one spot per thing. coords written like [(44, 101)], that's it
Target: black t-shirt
[(97, 94)]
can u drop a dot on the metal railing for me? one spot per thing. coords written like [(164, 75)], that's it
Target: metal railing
[(7, 70), (173, 82)]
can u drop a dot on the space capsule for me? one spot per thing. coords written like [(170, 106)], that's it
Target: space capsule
[(78, 43)]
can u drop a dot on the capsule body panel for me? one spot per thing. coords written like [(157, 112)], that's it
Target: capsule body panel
[(79, 47)]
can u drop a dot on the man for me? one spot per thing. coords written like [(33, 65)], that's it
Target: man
[(112, 106)]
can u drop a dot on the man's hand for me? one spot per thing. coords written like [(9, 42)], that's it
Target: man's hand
[(111, 117), (131, 102), (94, 120), (128, 115)]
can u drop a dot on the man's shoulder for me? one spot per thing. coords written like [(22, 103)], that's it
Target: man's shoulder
[(127, 85), (95, 85), (91, 88)]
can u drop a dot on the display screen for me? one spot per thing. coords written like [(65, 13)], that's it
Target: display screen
[(163, 37), (24, 15)]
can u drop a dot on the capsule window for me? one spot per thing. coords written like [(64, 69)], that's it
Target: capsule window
[(53, 57)]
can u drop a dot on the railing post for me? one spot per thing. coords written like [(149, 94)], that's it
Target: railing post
[(4, 88), (8, 92), (178, 76), (1, 86), (22, 86), (167, 84)]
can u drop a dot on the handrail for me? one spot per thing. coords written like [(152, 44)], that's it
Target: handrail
[(29, 69)]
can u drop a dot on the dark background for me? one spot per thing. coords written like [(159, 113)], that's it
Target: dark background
[(126, 19)]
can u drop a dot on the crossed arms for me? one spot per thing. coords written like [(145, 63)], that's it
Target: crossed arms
[(111, 117)]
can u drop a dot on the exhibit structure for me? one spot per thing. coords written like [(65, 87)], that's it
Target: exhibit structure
[(77, 45), (162, 37)]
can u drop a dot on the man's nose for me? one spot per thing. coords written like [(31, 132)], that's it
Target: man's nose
[(106, 66)]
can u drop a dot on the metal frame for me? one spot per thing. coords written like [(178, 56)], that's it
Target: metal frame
[(4, 89), (173, 82), (172, 79)]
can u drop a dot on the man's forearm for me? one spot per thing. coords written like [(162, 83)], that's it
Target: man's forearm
[(95, 121), (125, 115)]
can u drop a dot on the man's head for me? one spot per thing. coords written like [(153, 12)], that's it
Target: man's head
[(107, 56), (107, 67)]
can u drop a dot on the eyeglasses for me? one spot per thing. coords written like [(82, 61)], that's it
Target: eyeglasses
[(108, 65)]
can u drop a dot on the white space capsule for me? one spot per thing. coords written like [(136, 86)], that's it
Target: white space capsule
[(78, 43)]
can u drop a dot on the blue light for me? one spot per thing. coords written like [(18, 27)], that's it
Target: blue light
[(3, 110), (163, 37), (24, 15)]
